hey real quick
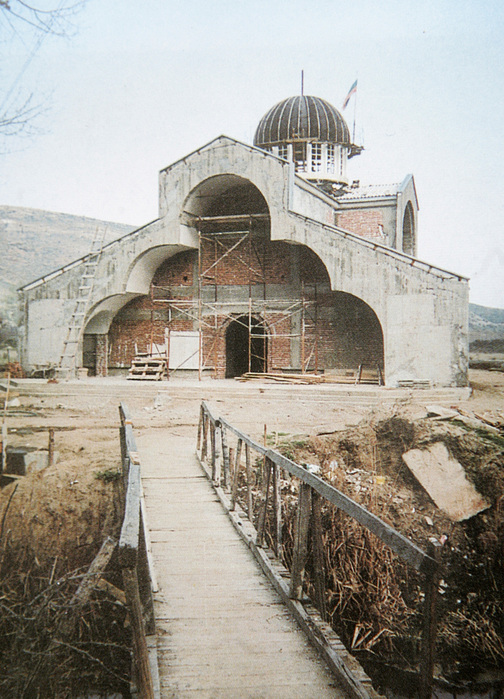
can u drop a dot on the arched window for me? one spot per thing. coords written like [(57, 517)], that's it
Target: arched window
[(408, 236)]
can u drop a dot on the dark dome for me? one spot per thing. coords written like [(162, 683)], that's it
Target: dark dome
[(302, 118)]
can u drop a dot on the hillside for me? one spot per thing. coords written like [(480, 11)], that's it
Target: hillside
[(34, 242), (486, 327)]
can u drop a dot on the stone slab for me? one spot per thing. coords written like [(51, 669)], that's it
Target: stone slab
[(445, 481)]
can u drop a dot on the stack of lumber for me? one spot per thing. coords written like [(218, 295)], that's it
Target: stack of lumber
[(282, 378), (351, 378), (147, 369)]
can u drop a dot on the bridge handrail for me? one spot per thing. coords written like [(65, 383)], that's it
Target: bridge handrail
[(426, 563), (133, 557)]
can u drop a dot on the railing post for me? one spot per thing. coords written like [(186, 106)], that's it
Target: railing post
[(429, 633), (250, 506), (318, 555), (200, 427), (277, 481), (204, 447), (212, 447), (301, 531), (122, 437), (236, 473), (261, 525), (225, 456), (218, 454)]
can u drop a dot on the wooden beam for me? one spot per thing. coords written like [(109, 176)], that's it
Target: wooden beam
[(261, 525), (225, 456), (277, 482), (140, 650), (429, 632), (250, 506), (300, 552), (236, 473), (318, 556), (87, 584)]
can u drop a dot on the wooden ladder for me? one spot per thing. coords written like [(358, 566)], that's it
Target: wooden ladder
[(66, 366)]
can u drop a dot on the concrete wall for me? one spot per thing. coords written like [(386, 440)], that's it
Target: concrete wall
[(424, 314)]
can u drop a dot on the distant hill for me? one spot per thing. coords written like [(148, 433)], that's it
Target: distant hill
[(486, 329), (34, 242)]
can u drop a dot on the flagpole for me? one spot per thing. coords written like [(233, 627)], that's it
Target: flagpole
[(354, 113)]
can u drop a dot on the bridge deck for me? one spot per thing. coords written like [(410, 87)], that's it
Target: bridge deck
[(222, 631)]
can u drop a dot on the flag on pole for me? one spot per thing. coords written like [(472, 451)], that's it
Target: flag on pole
[(351, 92)]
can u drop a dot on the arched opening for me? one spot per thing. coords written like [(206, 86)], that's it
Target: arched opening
[(246, 346), (225, 195), (408, 244), (352, 334)]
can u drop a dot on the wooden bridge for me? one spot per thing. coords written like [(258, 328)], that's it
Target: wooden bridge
[(225, 618)]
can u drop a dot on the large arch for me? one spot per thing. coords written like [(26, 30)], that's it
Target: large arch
[(351, 336), (143, 268), (225, 195), (223, 204)]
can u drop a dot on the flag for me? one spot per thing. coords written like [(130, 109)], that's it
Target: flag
[(351, 92)]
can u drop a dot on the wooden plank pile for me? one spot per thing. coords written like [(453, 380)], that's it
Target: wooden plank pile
[(147, 368), (351, 378)]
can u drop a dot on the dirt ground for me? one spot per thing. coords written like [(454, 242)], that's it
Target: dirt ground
[(364, 431), (84, 416)]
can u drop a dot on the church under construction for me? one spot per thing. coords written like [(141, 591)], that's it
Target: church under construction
[(264, 258)]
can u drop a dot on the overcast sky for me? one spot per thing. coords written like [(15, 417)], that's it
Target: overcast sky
[(140, 84)]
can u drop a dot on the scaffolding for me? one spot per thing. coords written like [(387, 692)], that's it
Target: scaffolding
[(264, 318)]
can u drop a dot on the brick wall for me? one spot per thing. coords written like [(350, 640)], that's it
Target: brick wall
[(255, 261), (101, 355), (367, 223), (177, 270)]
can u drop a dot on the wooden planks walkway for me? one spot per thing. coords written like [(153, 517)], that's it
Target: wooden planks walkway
[(222, 630)]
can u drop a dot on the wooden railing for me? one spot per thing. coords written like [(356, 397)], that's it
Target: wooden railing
[(133, 559), (225, 465)]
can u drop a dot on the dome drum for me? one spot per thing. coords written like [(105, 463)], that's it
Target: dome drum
[(311, 133)]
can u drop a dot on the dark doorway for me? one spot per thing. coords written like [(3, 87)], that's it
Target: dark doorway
[(89, 354), (246, 347)]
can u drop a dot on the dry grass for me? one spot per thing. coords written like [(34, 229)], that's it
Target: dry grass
[(36, 658), (373, 600), (51, 527)]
